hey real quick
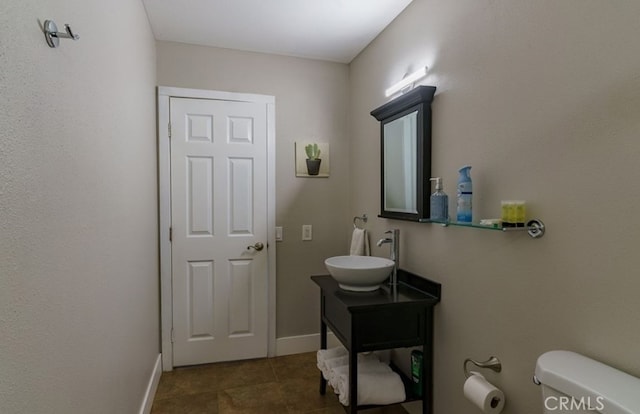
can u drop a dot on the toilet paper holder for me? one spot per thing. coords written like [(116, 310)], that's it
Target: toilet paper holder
[(492, 363)]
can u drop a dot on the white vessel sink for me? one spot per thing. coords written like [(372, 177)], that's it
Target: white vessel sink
[(359, 273)]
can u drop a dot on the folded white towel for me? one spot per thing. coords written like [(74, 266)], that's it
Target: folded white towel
[(384, 356), (332, 352), (332, 363), (323, 354), (364, 362), (334, 377), (339, 376), (360, 243), (376, 388)]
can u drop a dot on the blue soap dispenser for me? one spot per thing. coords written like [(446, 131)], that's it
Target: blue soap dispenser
[(439, 205), (465, 193)]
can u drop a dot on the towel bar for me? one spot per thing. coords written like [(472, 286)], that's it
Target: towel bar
[(364, 219)]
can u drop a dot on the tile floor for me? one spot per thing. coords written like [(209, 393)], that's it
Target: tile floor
[(282, 385)]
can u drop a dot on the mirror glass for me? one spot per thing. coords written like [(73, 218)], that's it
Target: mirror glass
[(405, 161), (400, 167)]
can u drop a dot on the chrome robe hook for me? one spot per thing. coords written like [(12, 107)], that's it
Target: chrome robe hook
[(53, 36)]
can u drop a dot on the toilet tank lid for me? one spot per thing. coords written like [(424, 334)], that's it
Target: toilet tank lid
[(578, 376)]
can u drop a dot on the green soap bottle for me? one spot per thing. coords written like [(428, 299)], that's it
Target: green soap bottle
[(416, 372)]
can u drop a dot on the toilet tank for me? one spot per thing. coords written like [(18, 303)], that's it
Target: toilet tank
[(573, 383)]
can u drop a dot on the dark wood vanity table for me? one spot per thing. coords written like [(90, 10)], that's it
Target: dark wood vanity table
[(383, 319)]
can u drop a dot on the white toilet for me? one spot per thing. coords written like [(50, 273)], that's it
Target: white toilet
[(572, 383)]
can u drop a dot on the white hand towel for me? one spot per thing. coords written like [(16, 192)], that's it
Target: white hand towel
[(376, 388), (339, 376), (384, 356), (342, 367), (332, 363), (323, 354), (360, 243)]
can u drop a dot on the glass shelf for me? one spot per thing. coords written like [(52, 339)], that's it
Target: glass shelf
[(534, 227)]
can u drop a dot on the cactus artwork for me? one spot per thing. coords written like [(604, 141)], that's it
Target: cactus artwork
[(308, 159), (313, 152)]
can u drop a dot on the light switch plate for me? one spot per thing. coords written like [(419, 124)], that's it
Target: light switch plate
[(307, 233), (278, 233)]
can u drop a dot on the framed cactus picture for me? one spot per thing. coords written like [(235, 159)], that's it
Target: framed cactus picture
[(312, 159)]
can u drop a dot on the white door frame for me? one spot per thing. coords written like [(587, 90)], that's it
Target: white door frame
[(164, 171)]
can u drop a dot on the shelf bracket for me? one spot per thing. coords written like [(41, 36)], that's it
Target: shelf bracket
[(536, 228)]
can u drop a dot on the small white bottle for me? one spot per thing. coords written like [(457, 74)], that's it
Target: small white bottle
[(439, 203)]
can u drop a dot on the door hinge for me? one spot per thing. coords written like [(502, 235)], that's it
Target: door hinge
[(170, 233), (173, 336), (169, 127)]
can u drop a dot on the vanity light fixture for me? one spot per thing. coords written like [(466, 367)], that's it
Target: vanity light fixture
[(406, 81)]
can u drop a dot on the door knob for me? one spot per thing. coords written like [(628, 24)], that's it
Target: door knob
[(257, 247)]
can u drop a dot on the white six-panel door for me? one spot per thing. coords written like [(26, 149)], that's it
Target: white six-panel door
[(218, 219)]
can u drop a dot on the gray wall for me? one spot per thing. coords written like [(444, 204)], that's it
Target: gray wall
[(311, 105), (78, 252), (542, 99)]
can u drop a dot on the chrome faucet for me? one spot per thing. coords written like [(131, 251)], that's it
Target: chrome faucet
[(394, 253)]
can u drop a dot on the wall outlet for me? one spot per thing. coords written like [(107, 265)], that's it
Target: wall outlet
[(307, 233), (278, 233)]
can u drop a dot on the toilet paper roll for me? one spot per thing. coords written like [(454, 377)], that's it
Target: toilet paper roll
[(483, 394)]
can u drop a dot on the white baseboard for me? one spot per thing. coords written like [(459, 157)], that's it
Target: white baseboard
[(303, 343), (152, 387)]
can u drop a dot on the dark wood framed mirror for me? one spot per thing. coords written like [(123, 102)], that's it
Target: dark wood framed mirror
[(405, 157)]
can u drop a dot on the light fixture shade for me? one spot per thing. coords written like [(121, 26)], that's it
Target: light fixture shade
[(408, 80)]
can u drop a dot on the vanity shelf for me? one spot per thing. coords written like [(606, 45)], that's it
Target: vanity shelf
[(535, 227), (387, 318)]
